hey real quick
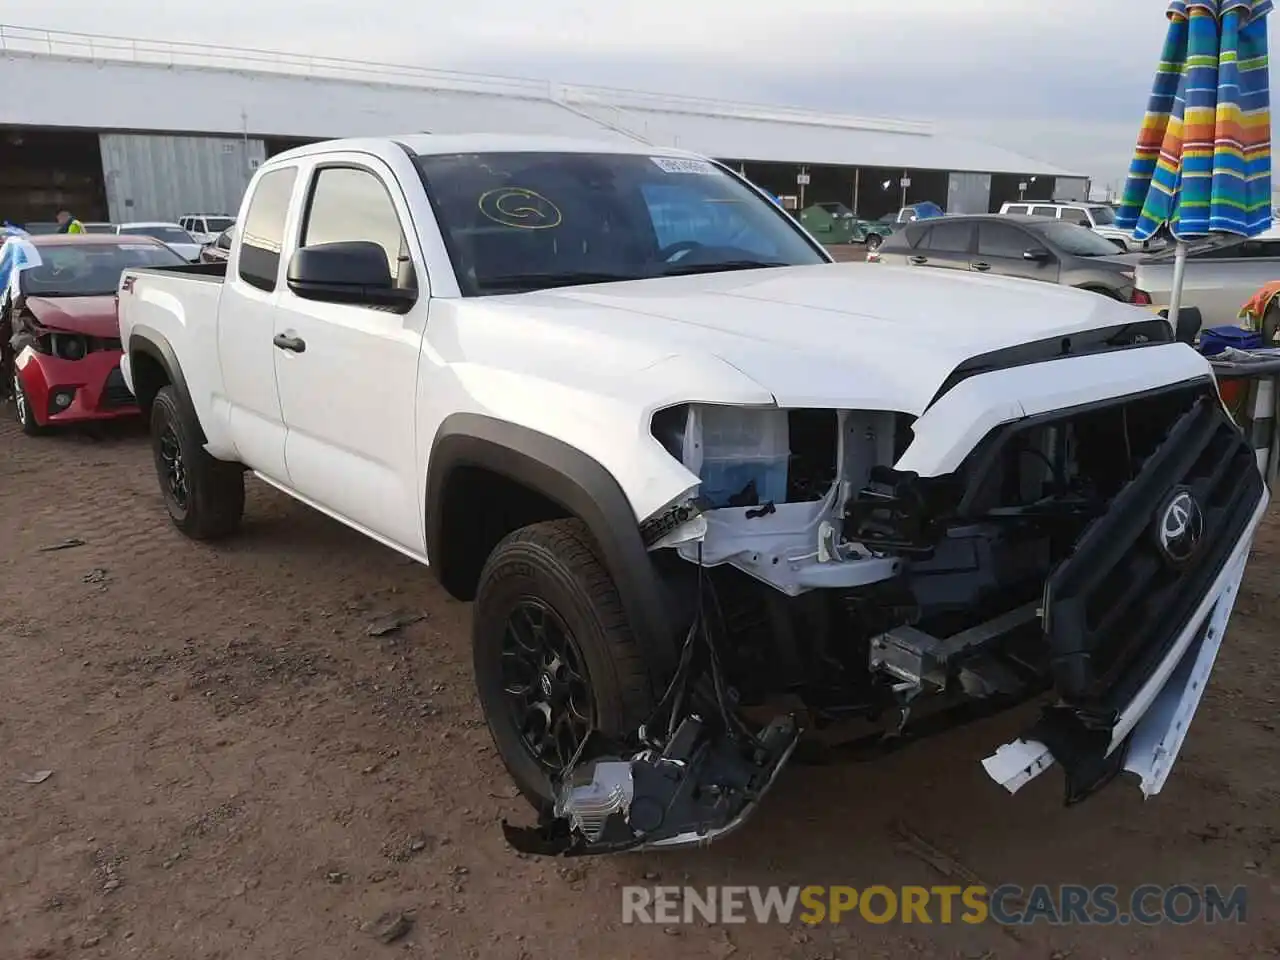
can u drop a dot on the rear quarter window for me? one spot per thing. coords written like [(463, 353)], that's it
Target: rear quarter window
[(262, 238)]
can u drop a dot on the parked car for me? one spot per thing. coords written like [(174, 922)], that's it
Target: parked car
[(203, 227), (685, 465), (219, 249), (99, 227), (1034, 248), (169, 233), (1221, 274), (59, 337), (1098, 217), (892, 222)]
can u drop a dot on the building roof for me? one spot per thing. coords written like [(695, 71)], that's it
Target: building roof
[(108, 83), (763, 134)]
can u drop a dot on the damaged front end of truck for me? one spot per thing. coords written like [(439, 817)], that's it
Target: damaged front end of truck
[(884, 576)]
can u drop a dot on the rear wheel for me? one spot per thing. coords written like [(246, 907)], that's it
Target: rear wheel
[(22, 409), (554, 656), (873, 241), (204, 495)]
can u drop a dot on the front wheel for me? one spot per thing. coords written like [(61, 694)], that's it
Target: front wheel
[(874, 241), (22, 411), (203, 495), (553, 653)]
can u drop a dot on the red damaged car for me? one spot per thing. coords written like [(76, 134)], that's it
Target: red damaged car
[(59, 339)]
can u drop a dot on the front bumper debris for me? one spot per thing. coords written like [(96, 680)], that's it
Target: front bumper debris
[(702, 785), (1149, 730)]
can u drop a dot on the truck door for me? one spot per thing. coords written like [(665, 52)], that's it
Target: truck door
[(246, 314), (348, 373)]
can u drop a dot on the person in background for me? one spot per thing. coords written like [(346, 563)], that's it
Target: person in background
[(69, 224)]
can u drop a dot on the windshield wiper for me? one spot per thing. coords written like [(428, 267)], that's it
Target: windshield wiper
[(525, 282), (721, 267)]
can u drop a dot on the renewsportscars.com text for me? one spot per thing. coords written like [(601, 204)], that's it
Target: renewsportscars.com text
[(1008, 905)]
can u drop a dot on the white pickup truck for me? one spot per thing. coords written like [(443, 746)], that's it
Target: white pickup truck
[(707, 489)]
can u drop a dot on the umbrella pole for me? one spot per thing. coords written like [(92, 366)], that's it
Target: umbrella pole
[(1179, 274)]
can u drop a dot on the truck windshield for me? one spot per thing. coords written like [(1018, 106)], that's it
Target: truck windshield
[(516, 222), (89, 269)]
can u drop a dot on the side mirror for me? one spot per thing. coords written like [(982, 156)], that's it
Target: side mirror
[(1036, 255), (1189, 323), (350, 271)]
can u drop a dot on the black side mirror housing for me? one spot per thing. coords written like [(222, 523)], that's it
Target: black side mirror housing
[(1036, 255), (1189, 323), (350, 271)]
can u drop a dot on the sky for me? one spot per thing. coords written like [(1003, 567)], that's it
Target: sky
[(1062, 82)]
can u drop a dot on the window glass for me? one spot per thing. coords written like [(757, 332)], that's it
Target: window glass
[(263, 236), (530, 221), (352, 204), (89, 269), (948, 238), (1020, 209), (683, 215), (158, 231), (1077, 216), (1002, 240), (1103, 216), (1076, 240), (1044, 211)]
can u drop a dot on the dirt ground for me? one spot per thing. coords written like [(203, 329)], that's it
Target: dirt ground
[(249, 761)]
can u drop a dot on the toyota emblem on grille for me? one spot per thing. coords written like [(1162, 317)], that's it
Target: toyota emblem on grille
[(1179, 527)]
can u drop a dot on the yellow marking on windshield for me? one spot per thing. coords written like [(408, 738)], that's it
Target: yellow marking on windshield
[(519, 208)]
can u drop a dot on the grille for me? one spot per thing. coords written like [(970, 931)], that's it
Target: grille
[(115, 393), (1114, 608)]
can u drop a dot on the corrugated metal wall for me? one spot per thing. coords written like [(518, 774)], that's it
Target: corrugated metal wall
[(160, 177), (968, 192)]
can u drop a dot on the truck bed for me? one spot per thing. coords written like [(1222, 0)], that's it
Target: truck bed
[(208, 272)]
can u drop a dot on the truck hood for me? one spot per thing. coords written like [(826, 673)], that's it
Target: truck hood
[(856, 336), (88, 316)]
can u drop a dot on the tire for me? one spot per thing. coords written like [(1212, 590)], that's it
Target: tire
[(210, 503), (22, 409), (873, 241), (552, 570)]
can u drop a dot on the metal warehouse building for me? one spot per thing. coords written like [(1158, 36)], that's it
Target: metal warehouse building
[(123, 129)]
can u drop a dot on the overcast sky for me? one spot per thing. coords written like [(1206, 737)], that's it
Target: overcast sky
[(1065, 82)]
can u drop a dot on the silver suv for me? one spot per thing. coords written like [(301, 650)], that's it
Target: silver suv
[(1098, 217)]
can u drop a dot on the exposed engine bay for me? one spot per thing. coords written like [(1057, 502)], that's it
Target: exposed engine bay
[(827, 588)]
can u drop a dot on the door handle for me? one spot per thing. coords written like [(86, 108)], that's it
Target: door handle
[(918, 261), (980, 267), (292, 344)]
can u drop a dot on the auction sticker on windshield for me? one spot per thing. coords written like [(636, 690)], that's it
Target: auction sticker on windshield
[(683, 165)]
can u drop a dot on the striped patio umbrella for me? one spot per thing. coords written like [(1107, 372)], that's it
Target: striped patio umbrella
[(1203, 160)]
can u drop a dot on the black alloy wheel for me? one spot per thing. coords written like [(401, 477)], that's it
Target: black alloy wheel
[(546, 685)]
